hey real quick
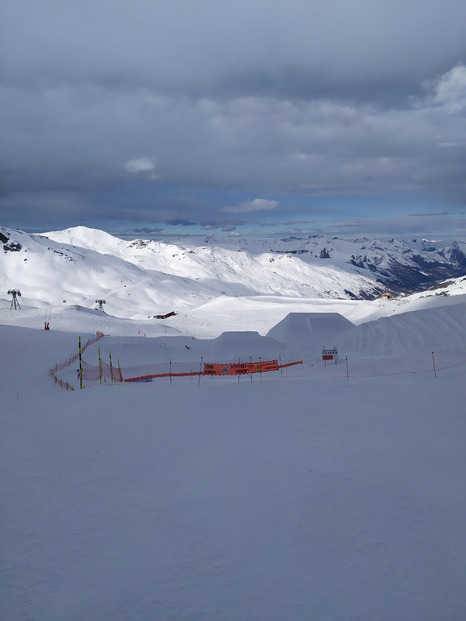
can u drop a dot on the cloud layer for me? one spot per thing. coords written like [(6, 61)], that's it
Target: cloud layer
[(175, 111)]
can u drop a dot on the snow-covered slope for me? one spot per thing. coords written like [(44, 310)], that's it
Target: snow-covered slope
[(140, 279), (401, 265), (298, 328), (254, 268), (282, 498), (212, 289), (437, 328)]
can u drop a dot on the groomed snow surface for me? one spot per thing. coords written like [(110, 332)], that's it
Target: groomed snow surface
[(225, 500)]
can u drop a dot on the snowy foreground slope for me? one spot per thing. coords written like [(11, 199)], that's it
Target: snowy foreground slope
[(286, 498)]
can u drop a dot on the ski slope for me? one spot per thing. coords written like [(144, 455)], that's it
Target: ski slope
[(279, 497), (293, 498)]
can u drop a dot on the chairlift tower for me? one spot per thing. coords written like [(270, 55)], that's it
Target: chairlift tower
[(100, 303), (15, 293)]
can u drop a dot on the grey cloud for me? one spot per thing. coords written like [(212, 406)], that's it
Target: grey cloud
[(257, 204), (366, 48), (180, 221), (265, 98), (148, 231), (400, 226)]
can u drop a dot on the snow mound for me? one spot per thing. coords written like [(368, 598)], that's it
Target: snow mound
[(243, 345), (311, 328), (418, 331)]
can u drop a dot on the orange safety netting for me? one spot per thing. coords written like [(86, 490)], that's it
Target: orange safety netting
[(69, 362), (344, 367)]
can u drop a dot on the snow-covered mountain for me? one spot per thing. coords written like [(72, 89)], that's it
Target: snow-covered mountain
[(140, 278), (403, 266)]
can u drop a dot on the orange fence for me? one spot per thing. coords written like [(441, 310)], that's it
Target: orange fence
[(240, 368), (313, 369), (345, 367), (58, 367), (147, 373)]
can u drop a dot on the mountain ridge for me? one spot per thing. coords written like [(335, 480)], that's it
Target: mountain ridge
[(143, 277), (404, 266)]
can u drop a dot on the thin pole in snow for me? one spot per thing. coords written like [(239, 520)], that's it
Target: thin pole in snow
[(433, 363), (200, 371), (347, 368), (80, 366)]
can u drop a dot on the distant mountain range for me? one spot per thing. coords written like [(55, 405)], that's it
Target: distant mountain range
[(79, 265), (401, 266)]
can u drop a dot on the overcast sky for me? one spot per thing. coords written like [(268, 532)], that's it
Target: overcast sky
[(165, 117)]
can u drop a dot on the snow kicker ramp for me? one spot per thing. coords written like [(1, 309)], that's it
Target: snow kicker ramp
[(309, 329), (233, 345)]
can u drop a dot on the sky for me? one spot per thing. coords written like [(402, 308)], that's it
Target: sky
[(159, 118)]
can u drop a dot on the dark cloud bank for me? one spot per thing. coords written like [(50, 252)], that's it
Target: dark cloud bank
[(220, 114)]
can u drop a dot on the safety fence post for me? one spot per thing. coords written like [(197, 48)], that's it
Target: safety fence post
[(80, 366), (200, 371)]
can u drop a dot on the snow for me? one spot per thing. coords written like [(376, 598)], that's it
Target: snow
[(287, 499), (287, 496), (437, 328), (312, 327)]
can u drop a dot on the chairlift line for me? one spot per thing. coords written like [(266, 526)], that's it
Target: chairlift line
[(15, 293)]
